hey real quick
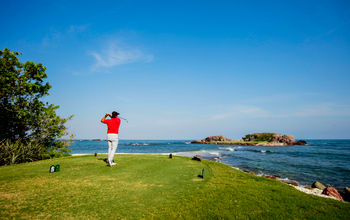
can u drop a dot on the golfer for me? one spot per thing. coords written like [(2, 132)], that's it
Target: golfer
[(112, 134)]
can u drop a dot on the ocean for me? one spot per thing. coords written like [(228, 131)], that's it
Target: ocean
[(326, 161)]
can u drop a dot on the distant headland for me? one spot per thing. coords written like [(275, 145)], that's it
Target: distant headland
[(255, 139)]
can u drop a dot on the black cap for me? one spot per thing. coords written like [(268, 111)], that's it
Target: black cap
[(115, 114)]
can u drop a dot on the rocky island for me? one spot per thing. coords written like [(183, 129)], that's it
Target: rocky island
[(255, 139)]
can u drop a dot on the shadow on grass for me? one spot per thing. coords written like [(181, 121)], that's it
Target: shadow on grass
[(105, 160)]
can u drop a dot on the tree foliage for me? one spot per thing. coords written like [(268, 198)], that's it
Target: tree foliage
[(24, 116), (259, 137)]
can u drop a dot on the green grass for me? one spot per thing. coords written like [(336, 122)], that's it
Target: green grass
[(152, 186)]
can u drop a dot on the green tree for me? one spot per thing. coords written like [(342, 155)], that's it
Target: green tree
[(24, 116)]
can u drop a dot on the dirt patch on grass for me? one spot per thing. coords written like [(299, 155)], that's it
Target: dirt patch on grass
[(6, 195), (82, 183), (107, 178), (142, 185), (72, 168)]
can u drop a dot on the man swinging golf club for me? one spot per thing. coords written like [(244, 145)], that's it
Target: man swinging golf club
[(112, 135)]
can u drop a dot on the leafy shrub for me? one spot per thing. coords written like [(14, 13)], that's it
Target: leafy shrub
[(259, 137), (14, 152), (265, 137)]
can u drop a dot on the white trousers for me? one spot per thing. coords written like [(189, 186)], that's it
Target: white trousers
[(113, 140)]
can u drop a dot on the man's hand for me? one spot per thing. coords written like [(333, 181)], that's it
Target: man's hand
[(103, 119)]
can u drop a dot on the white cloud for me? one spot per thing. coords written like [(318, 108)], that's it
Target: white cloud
[(117, 55)]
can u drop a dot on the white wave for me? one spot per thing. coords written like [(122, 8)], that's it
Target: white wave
[(217, 153), (203, 153), (139, 144), (285, 179), (260, 173), (228, 148), (217, 159)]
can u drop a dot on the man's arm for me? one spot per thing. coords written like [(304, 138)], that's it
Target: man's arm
[(104, 117)]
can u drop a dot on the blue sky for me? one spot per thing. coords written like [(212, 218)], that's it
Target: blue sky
[(190, 69)]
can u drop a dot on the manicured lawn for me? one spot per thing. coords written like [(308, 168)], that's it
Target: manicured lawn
[(152, 186)]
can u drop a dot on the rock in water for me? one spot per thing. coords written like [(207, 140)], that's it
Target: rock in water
[(318, 185), (346, 194), (197, 142), (293, 184), (347, 189), (255, 139), (272, 177), (301, 142), (247, 171), (331, 191), (215, 138), (211, 139), (286, 139)]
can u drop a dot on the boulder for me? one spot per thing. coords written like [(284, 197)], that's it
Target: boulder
[(346, 194), (247, 171), (286, 139), (347, 190), (293, 184), (215, 138), (318, 185), (331, 191), (196, 158), (197, 142), (211, 139), (301, 142), (272, 177)]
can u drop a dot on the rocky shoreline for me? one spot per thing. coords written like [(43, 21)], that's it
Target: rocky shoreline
[(316, 188), (274, 139), (255, 139)]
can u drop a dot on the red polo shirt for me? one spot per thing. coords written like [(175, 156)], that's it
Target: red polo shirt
[(113, 125)]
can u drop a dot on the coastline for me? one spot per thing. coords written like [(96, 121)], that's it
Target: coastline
[(313, 191)]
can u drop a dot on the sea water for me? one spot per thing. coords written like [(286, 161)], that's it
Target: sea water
[(326, 161)]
